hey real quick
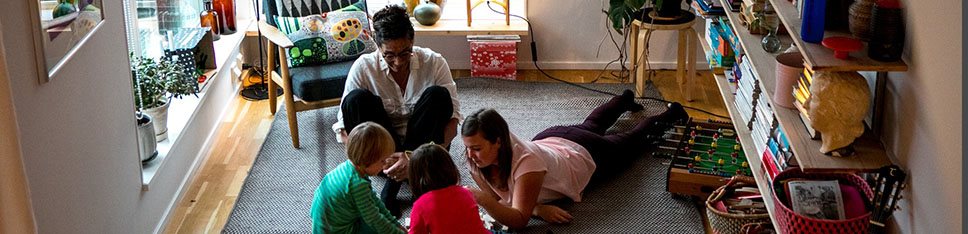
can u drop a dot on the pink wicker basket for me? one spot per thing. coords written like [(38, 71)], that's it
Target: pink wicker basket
[(791, 222)]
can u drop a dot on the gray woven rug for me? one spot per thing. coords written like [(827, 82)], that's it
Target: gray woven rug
[(278, 192)]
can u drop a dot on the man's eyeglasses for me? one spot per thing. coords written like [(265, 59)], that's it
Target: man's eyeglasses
[(402, 55)]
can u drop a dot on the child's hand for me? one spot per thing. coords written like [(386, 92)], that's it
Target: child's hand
[(552, 214)]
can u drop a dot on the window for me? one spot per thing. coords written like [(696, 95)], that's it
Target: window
[(148, 20), (457, 9)]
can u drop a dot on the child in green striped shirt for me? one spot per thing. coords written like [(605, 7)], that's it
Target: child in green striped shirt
[(345, 201)]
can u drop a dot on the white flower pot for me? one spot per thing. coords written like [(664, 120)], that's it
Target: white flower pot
[(160, 118)]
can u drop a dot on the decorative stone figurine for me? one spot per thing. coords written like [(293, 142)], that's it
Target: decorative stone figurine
[(837, 106)]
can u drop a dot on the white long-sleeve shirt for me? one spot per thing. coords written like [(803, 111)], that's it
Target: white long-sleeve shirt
[(371, 72)]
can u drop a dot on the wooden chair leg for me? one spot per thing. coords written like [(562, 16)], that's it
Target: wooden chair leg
[(270, 69), (507, 12), (469, 13), (290, 101)]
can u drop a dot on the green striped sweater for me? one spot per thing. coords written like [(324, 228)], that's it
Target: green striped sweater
[(345, 203)]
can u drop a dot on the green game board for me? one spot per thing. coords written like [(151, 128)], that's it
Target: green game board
[(710, 148)]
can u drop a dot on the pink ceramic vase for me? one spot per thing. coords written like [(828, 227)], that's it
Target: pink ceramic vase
[(788, 68)]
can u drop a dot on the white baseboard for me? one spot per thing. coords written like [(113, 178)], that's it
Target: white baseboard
[(528, 65)]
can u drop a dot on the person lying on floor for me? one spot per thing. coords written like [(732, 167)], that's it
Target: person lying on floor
[(517, 179), (404, 88)]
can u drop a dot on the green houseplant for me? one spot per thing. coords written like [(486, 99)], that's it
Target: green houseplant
[(622, 12), (156, 82)]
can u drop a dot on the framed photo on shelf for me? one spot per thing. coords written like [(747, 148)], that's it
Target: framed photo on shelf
[(60, 28), (817, 199)]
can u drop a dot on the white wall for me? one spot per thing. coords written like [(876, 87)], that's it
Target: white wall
[(923, 118), (568, 33), (16, 215), (77, 133)]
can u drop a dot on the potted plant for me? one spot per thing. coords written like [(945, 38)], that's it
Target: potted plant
[(622, 12), (156, 82)]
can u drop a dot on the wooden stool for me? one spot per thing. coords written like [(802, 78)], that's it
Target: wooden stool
[(503, 3), (687, 37)]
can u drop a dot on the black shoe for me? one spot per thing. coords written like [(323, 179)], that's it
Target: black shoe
[(676, 113), (629, 98)]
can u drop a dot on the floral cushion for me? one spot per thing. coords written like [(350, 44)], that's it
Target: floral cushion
[(335, 36)]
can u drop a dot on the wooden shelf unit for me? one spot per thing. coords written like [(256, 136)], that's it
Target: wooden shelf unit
[(745, 138), (820, 58), (870, 153)]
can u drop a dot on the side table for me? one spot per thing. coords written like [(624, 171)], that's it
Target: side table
[(650, 23)]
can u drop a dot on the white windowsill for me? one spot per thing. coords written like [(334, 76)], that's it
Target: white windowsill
[(182, 111)]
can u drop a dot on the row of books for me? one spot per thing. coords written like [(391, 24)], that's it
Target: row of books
[(801, 92), (717, 35), (756, 111)]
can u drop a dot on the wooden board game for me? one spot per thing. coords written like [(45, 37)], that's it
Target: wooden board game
[(704, 154)]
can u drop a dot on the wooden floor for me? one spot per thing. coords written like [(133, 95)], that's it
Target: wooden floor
[(210, 198)]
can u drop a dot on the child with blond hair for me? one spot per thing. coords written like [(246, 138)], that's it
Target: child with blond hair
[(344, 201)]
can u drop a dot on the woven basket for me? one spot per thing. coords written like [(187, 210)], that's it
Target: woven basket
[(791, 222), (725, 222), (757, 228)]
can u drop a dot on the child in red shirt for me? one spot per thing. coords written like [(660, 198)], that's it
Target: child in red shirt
[(442, 205)]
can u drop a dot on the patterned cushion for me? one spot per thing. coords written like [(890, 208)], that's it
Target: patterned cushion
[(329, 37), (298, 8)]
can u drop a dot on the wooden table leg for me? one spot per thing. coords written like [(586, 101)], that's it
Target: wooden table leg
[(634, 59), (691, 65), (681, 61)]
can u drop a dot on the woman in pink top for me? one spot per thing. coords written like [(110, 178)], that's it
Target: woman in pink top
[(442, 205), (517, 178)]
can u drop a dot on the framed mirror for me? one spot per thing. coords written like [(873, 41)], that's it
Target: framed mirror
[(62, 26)]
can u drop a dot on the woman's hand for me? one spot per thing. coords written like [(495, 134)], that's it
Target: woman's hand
[(552, 214), (480, 196), (396, 166)]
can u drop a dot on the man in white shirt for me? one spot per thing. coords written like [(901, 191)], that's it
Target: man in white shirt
[(406, 89)]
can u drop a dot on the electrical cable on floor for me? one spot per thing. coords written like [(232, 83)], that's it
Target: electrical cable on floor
[(259, 89), (534, 60)]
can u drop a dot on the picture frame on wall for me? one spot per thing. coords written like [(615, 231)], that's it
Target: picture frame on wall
[(60, 28)]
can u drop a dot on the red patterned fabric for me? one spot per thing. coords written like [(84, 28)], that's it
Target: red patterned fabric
[(497, 59), (790, 222)]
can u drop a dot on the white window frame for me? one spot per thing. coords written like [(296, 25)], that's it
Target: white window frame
[(457, 9)]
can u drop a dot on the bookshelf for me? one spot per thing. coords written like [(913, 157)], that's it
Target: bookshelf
[(870, 153), (819, 58), (745, 136)]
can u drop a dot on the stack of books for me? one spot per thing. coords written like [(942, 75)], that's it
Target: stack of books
[(747, 94), (802, 93), (717, 34), (707, 8), (778, 156)]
